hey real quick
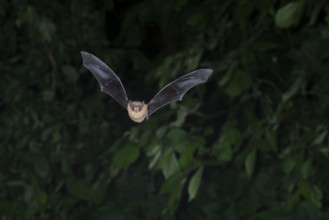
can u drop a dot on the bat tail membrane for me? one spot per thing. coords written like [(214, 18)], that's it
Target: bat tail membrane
[(175, 90), (108, 81)]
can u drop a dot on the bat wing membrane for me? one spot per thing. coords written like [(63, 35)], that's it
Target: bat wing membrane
[(175, 90), (109, 82)]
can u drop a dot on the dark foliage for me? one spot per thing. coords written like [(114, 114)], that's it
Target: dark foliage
[(252, 143)]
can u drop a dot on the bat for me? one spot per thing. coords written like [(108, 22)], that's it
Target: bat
[(111, 84)]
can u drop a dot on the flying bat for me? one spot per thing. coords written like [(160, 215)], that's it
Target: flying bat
[(111, 84)]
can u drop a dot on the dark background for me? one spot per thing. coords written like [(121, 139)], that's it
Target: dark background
[(251, 143)]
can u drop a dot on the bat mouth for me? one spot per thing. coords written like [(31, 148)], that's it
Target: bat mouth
[(136, 106)]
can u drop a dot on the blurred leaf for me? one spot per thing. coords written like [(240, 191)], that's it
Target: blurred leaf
[(40, 164), (98, 191), (156, 156), (168, 163), (196, 19), (181, 116), (173, 186), (288, 165), (223, 148), (250, 163), (293, 90), (187, 155), (42, 197), (315, 13), (78, 188), (292, 201), (289, 15), (161, 131), (145, 138), (48, 95), (71, 73), (125, 156), (229, 74), (242, 12), (178, 138), (194, 183), (47, 29), (306, 169), (239, 83), (316, 197), (320, 138), (271, 138)]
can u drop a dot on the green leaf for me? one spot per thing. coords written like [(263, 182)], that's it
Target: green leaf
[(289, 15), (173, 186), (186, 158), (292, 201), (240, 82), (288, 165), (181, 116), (250, 162), (41, 165), (47, 29), (271, 138), (178, 138), (304, 188), (197, 18), (228, 74), (256, 129), (78, 188), (161, 131), (125, 156), (316, 196), (48, 95), (320, 138), (299, 83), (168, 163), (156, 156), (42, 197), (98, 191), (223, 148), (194, 184), (226, 153), (316, 12), (306, 169)]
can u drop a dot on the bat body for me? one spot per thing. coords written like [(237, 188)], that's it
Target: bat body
[(138, 111)]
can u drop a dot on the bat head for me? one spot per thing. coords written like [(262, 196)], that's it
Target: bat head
[(136, 106), (137, 111)]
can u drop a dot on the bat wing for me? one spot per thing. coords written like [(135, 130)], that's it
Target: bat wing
[(109, 82), (175, 90)]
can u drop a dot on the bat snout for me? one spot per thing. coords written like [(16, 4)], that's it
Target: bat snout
[(136, 106)]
